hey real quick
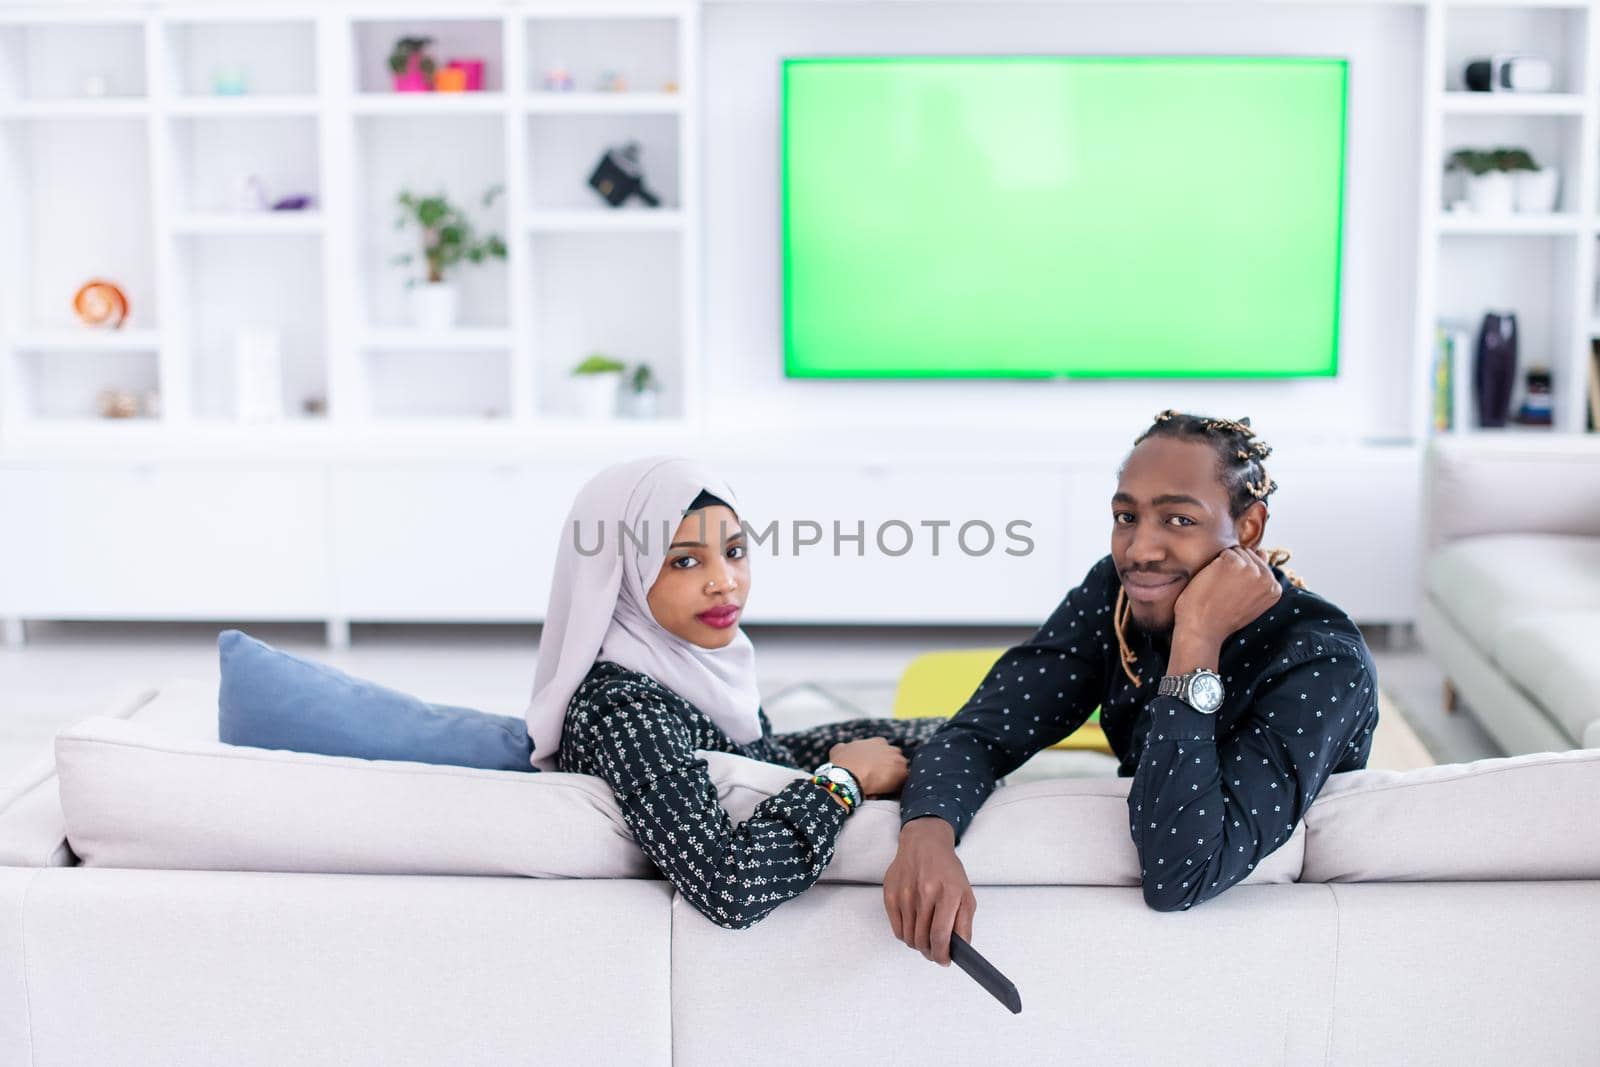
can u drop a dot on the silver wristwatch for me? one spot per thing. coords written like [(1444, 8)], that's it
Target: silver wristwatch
[(845, 780), (1200, 689)]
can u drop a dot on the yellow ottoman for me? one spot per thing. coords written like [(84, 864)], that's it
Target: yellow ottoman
[(938, 683)]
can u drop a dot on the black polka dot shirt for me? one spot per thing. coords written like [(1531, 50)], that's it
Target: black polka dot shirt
[(641, 737), (1211, 794)]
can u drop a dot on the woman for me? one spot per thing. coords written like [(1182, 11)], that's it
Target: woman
[(642, 662)]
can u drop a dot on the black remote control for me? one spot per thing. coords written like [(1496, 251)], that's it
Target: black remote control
[(984, 973)]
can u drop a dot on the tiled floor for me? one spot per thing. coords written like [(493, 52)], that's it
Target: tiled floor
[(70, 670)]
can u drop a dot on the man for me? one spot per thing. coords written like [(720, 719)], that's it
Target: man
[(1228, 692)]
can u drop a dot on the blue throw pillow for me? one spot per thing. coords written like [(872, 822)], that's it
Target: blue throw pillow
[(271, 699)]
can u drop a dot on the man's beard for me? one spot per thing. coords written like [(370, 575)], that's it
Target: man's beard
[(1160, 635)]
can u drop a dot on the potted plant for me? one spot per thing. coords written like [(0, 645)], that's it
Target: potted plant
[(1489, 189), (641, 393), (1534, 187), (448, 239), (411, 65), (598, 378)]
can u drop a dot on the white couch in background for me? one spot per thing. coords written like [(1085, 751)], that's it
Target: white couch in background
[(1511, 583), (166, 899)]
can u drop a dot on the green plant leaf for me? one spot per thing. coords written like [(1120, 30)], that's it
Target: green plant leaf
[(599, 364)]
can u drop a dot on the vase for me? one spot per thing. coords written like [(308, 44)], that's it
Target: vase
[(1536, 190), (258, 374), (415, 79), (597, 394), (433, 305), (1494, 371), (1491, 193)]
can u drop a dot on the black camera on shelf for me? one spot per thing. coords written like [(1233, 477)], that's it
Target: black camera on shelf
[(618, 177)]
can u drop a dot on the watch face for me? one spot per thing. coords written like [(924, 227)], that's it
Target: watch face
[(838, 774), (1205, 692)]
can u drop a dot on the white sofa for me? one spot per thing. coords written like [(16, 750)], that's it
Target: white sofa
[(1510, 604), (166, 899)]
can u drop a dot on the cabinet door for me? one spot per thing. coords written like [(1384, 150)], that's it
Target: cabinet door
[(160, 541), (938, 543), (452, 542), (1354, 528)]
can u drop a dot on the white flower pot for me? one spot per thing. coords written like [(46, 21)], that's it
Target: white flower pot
[(434, 304), (641, 405), (1536, 190), (597, 394), (1491, 193)]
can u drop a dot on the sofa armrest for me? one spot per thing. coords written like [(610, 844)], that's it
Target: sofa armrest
[(1516, 483), (33, 830)]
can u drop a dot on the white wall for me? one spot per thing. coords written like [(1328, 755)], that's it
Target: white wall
[(743, 46)]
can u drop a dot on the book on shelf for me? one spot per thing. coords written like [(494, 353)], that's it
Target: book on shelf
[(1452, 378), (1594, 385)]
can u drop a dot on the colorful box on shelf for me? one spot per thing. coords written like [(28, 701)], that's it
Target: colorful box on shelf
[(471, 73)]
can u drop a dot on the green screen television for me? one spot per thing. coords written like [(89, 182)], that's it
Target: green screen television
[(1065, 216)]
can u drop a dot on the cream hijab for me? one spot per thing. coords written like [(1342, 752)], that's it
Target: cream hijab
[(598, 607)]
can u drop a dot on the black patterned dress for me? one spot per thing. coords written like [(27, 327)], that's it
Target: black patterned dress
[(641, 738)]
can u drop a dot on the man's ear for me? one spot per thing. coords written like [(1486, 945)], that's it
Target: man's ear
[(1251, 527)]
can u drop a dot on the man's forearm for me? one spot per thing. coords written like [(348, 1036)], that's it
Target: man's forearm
[(1193, 649)]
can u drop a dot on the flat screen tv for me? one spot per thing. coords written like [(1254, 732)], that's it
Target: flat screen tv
[(1062, 216)]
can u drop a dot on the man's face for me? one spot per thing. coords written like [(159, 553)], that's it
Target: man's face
[(1169, 519)]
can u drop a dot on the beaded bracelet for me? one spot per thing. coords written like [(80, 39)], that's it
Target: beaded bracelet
[(837, 790)]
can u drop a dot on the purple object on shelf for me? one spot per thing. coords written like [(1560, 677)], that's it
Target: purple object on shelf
[(293, 203), (1495, 372)]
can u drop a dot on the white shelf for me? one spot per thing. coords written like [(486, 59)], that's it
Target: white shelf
[(1466, 224), (89, 339), (322, 118), (466, 338), (246, 223), (605, 221), (1468, 103), (551, 103), (241, 106), (392, 103), (95, 108)]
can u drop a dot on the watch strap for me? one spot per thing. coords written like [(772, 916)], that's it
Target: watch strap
[(833, 775)]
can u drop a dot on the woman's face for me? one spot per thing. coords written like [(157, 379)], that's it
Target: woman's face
[(701, 588)]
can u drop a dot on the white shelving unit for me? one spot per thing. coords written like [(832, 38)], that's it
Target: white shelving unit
[(430, 483), (1542, 267), (131, 168)]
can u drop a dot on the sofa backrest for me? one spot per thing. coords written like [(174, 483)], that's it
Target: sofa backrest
[(1481, 484), (159, 791), (1521, 818)]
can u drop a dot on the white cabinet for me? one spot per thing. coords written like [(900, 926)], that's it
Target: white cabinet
[(838, 542), (898, 572), (448, 542), (1353, 524), (149, 542)]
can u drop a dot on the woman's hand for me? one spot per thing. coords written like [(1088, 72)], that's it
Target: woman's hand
[(877, 765)]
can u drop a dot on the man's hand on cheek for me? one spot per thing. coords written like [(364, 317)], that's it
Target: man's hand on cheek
[(1225, 596)]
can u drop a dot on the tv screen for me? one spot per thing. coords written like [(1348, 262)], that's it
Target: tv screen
[(1070, 216)]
